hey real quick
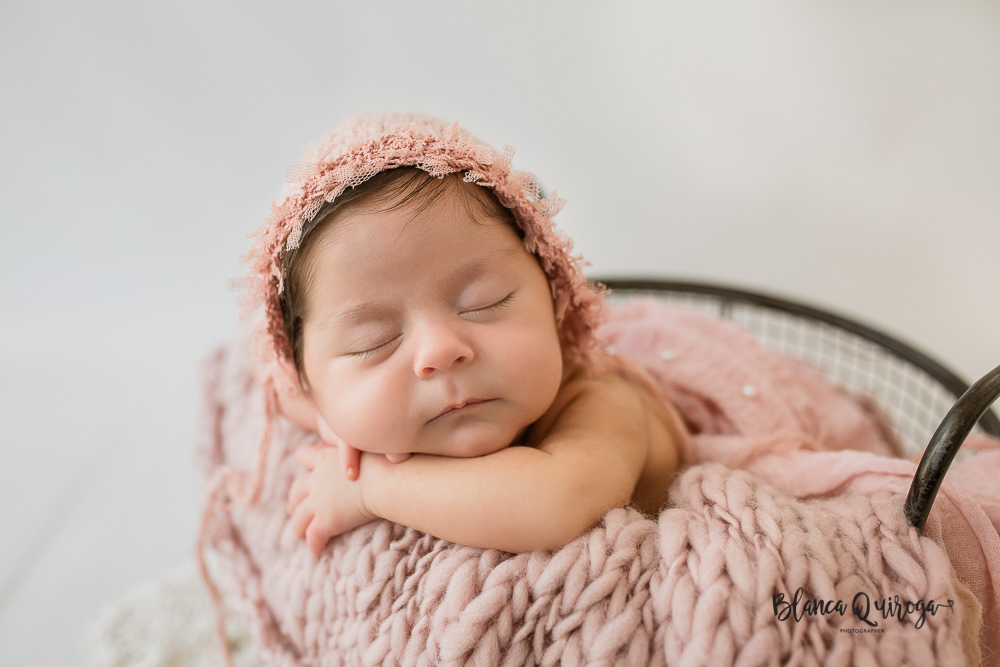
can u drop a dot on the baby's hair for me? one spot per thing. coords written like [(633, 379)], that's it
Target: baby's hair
[(386, 191)]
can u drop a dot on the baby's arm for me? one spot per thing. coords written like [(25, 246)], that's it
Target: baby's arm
[(589, 457)]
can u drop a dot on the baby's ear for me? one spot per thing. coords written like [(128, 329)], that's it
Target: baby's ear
[(293, 403)]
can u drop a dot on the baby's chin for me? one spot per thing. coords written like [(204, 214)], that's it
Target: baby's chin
[(484, 445), (464, 446), (471, 440)]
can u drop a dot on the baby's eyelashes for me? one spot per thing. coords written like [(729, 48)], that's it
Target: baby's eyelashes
[(492, 307), (370, 352)]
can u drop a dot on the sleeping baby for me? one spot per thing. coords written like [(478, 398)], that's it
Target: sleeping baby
[(426, 320)]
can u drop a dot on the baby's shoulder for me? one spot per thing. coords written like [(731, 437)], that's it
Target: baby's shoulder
[(594, 399), (609, 380)]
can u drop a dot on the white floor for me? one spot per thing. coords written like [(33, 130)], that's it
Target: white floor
[(92, 505)]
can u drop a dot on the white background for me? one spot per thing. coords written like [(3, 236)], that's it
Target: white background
[(838, 152)]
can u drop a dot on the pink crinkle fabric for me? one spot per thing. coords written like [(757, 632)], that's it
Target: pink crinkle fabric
[(775, 499)]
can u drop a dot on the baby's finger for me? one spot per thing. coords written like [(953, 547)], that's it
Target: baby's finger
[(316, 538), (297, 494), (350, 460), (301, 520), (310, 456)]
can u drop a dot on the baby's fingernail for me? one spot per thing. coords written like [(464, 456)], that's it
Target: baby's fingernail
[(351, 472)]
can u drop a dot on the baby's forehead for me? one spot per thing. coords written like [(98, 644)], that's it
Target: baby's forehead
[(376, 240)]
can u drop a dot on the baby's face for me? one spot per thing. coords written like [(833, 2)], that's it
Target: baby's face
[(428, 331)]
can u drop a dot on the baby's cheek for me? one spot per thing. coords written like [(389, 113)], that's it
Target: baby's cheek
[(376, 414), (368, 428)]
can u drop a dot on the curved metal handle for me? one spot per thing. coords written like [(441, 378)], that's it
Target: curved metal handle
[(944, 445)]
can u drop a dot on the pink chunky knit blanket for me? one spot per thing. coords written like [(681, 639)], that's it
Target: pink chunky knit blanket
[(782, 541)]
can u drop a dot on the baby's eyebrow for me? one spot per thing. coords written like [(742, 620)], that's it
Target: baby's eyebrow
[(475, 269), (467, 273), (354, 314)]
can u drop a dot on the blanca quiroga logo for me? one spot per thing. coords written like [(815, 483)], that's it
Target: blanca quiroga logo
[(874, 614)]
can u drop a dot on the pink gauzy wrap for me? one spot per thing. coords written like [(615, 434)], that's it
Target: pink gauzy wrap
[(783, 539)]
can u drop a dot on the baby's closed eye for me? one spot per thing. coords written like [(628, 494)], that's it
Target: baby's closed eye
[(490, 307), (369, 350)]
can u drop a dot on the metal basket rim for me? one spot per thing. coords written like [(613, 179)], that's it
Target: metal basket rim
[(726, 293)]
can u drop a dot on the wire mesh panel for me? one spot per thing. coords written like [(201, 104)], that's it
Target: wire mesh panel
[(913, 389)]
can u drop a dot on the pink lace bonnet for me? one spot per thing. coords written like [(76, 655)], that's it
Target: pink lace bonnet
[(365, 145)]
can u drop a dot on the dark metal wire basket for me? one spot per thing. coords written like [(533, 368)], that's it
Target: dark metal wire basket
[(932, 409)]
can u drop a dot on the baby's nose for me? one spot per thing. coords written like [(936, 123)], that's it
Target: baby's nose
[(441, 349)]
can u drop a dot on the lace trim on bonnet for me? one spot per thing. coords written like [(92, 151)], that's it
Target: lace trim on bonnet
[(366, 145)]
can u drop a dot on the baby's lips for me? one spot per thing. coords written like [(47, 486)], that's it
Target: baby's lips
[(396, 458)]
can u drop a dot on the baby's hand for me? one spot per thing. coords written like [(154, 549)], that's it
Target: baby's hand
[(321, 502), (350, 458)]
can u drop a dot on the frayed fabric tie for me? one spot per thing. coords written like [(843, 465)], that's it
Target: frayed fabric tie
[(227, 481)]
